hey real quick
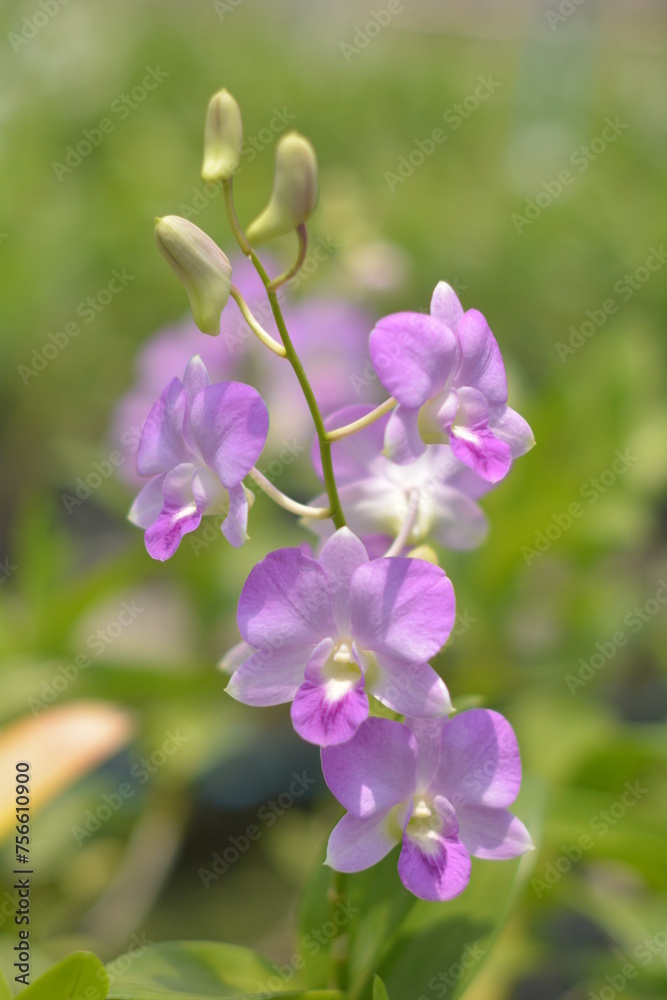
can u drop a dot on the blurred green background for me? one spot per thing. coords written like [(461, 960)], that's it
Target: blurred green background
[(562, 277)]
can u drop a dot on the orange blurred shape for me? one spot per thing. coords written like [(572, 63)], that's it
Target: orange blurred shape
[(60, 746)]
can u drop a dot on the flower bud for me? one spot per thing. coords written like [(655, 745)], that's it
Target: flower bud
[(223, 138), (425, 553), (200, 264), (295, 191)]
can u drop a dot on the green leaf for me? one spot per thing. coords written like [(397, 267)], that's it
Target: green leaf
[(199, 970), (379, 989), (80, 976)]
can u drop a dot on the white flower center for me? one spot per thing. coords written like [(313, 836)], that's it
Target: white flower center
[(341, 671), (425, 825)]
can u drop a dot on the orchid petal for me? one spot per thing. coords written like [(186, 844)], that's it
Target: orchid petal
[(492, 833), (414, 355), (479, 760), (229, 423), (402, 607), (269, 676), (373, 771), (356, 844), (286, 598)]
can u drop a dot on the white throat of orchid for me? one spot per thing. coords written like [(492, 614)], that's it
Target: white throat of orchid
[(341, 672), (430, 428), (429, 822)]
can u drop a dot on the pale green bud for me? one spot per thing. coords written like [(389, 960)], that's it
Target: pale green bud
[(295, 191), (425, 553), (201, 266), (223, 138)]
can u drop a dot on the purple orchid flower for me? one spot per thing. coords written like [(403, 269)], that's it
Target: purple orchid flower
[(447, 373), (198, 444), (439, 788), (324, 634), (436, 491)]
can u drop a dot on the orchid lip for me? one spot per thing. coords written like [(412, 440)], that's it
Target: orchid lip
[(465, 434)]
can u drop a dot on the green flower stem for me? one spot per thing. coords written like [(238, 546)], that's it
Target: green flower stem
[(237, 232), (298, 263), (256, 328), (339, 954), (337, 514), (357, 425), (317, 513)]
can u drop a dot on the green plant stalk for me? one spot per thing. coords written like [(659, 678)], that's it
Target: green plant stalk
[(337, 514), (339, 953)]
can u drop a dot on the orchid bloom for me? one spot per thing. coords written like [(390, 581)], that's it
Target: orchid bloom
[(436, 492), (447, 373), (324, 634), (198, 443), (439, 788)]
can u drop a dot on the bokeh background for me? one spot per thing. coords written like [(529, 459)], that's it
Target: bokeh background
[(562, 615)]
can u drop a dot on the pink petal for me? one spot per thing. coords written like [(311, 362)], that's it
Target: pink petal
[(479, 760), (482, 364), (340, 557), (146, 508), (235, 525), (402, 607), (481, 451), (510, 427), (414, 355), (162, 446), (356, 844), (409, 688), (229, 424), (492, 833), (445, 306), (458, 523), (373, 771), (328, 713), (402, 441), (269, 676), (286, 600), (181, 513), (438, 875)]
